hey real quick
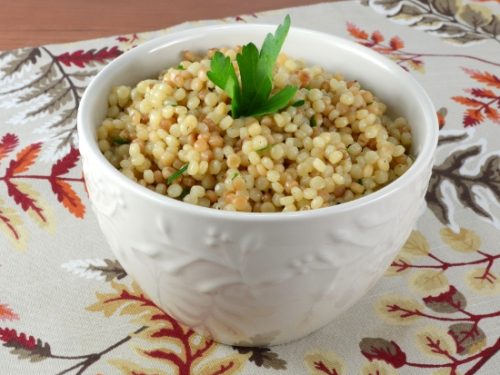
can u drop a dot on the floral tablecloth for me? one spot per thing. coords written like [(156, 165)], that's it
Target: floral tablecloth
[(68, 307)]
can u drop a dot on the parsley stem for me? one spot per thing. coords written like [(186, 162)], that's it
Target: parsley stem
[(174, 176)]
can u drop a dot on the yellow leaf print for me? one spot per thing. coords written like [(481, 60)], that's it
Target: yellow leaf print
[(435, 342), (398, 310), (12, 225), (162, 339), (399, 266), (446, 371), (34, 205), (484, 282), (466, 241), (378, 368), (416, 245), (320, 363), (228, 366), (121, 298), (429, 282), (130, 368)]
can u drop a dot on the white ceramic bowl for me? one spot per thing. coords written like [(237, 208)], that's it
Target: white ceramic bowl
[(254, 278)]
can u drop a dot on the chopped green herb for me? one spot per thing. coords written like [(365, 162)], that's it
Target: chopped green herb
[(313, 122), (252, 97), (264, 149), (185, 192), (235, 174), (298, 103), (174, 176), (120, 141), (180, 67)]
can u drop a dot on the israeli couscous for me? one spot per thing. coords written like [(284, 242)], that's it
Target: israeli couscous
[(331, 144)]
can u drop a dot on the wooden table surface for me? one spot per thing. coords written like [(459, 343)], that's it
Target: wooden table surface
[(35, 22)]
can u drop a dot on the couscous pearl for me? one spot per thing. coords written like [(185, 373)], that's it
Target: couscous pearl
[(310, 193), (148, 176), (347, 98), (174, 190), (335, 157), (314, 94), (317, 202), (273, 176), (259, 142), (286, 201), (319, 165)]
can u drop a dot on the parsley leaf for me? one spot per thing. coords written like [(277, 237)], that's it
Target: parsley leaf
[(298, 103), (256, 68), (276, 102), (272, 46), (222, 74)]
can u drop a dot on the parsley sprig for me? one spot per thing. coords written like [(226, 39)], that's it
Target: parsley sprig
[(253, 96)]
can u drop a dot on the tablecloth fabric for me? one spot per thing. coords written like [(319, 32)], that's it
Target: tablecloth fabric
[(67, 306)]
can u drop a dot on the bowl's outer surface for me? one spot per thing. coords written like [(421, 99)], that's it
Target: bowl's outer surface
[(256, 279)]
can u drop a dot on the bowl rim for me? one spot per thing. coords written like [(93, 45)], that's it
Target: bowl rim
[(87, 136)]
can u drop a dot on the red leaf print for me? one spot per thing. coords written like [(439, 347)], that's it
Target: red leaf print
[(356, 31), (127, 39), (396, 43), (82, 58), (67, 196), (168, 356), (11, 338), (484, 77), (377, 37), (7, 144), (482, 93), (473, 117), (387, 351), (9, 224), (467, 336), (469, 102), (68, 162), (492, 114), (25, 201), (24, 159), (447, 302), (6, 313), (393, 49), (25, 346)]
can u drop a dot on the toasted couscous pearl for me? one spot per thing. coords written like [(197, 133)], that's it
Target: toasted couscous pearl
[(338, 145)]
